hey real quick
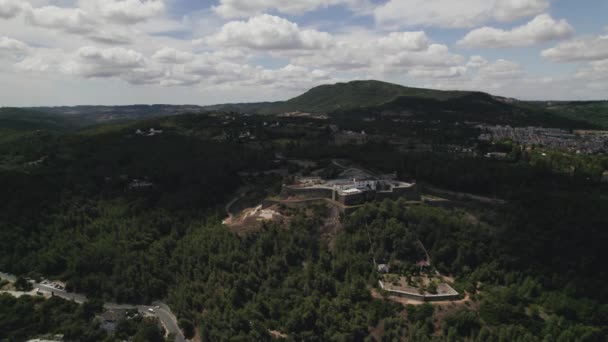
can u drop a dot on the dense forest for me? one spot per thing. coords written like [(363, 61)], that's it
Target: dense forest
[(532, 268), (27, 316)]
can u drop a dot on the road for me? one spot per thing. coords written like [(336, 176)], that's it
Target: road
[(161, 310)]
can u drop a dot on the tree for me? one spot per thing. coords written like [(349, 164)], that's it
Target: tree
[(187, 327), (21, 284)]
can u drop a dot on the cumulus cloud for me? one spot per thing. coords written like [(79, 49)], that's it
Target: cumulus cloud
[(71, 20), (12, 45), (500, 70), (10, 8), (541, 29), (93, 62), (128, 65), (426, 72), (581, 49), (411, 41), (380, 55), (172, 56), (437, 55), (109, 38), (291, 77), (246, 8), (455, 14), (124, 11), (597, 70), (477, 62), (267, 32)]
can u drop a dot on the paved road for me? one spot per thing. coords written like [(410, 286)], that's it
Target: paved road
[(161, 310)]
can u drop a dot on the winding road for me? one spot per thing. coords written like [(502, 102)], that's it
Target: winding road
[(161, 310)]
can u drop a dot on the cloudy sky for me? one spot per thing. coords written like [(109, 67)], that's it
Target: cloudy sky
[(70, 52)]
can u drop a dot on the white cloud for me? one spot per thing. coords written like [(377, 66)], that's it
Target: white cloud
[(41, 60), (449, 72), (477, 62), (509, 10), (455, 14), (500, 70), (71, 20), (291, 77), (597, 70), (381, 56), (124, 11), (541, 29), (581, 49), (110, 38), (91, 62), (246, 8), (172, 56), (12, 45), (10, 8), (437, 55), (267, 32), (410, 41)]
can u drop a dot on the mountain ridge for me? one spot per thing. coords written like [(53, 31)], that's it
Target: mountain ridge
[(359, 97)]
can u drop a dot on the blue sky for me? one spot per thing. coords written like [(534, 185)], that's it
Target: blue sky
[(69, 52)]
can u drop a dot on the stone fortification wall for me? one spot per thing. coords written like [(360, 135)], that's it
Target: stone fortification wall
[(410, 193), (422, 297), (309, 192)]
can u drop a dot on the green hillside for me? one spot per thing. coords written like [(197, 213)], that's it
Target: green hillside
[(340, 96), (20, 119), (594, 112), (357, 94), (472, 107)]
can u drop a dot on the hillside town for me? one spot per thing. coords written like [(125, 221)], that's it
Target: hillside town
[(579, 141)]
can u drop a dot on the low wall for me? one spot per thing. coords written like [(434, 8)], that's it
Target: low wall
[(354, 199), (421, 297), (410, 193), (312, 192)]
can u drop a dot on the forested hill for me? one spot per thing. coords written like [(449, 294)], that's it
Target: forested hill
[(350, 95), (594, 112), (20, 119), (101, 114), (356, 94), (356, 99), (471, 107)]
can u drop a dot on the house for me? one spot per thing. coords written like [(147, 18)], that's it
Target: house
[(154, 132), (384, 268), (138, 184), (350, 138), (497, 155), (110, 319), (423, 264)]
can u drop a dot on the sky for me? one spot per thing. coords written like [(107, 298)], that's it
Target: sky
[(116, 52)]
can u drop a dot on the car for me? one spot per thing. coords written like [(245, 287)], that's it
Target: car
[(151, 310)]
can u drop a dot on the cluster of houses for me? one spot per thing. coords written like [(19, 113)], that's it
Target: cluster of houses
[(149, 133), (579, 141)]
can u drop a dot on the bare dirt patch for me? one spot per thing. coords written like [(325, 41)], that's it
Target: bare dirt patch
[(253, 219)]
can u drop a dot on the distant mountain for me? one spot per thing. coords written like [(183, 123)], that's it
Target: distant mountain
[(21, 119), (472, 106), (340, 96), (98, 114), (353, 99), (593, 112)]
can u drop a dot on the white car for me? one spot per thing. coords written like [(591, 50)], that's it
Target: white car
[(151, 310)]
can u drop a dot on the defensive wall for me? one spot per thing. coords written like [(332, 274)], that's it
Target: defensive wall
[(440, 297)]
